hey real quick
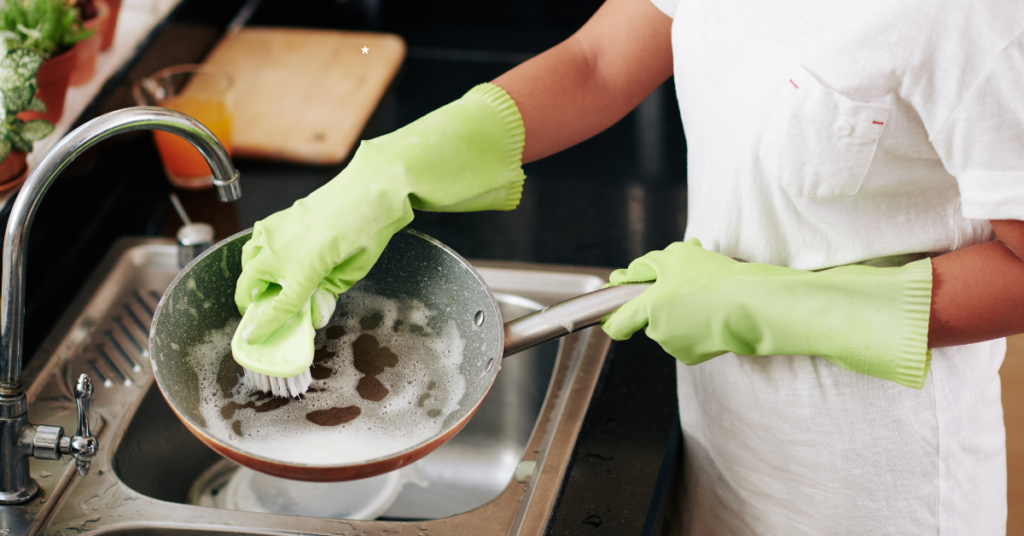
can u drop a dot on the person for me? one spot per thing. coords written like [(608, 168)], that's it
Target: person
[(854, 252)]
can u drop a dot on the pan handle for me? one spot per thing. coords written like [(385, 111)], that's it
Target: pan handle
[(566, 317)]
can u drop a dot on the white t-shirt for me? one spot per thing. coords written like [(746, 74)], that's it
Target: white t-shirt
[(823, 133)]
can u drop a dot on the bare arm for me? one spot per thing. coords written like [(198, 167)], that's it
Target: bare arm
[(978, 292), (591, 80)]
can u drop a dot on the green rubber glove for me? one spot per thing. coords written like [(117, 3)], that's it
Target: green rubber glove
[(465, 156), (702, 304), (287, 352)]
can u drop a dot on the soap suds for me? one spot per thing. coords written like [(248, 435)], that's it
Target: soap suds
[(190, 284), (334, 424)]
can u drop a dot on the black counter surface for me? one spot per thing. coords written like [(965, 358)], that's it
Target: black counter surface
[(601, 203)]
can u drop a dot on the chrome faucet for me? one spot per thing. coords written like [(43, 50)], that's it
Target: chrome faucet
[(19, 439)]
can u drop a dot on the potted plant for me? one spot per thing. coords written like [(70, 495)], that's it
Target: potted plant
[(93, 15), (52, 28), (18, 69), (110, 26)]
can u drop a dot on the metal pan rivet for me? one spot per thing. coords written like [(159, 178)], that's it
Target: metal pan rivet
[(490, 364), (478, 318)]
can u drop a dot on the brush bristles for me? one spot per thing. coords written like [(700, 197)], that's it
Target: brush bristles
[(284, 387)]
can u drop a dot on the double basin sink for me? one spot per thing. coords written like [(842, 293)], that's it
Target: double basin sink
[(500, 475)]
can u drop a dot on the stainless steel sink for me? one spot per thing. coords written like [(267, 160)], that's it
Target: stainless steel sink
[(500, 475)]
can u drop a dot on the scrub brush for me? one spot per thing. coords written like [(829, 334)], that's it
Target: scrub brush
[(283, 387), (280, 364)]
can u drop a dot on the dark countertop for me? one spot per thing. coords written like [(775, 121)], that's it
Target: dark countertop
[(601, 203)]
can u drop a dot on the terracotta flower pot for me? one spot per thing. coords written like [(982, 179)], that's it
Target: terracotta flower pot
[(13, 171), (110, 26), (53, 77), (88, 49), (12, 167), (10, 186)]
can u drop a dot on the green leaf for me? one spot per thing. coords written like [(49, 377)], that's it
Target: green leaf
[(5, 149), (19, 68), (36, 130), (36, 105), (8, 75), (20, 143), (50, 26), (3, 109), (32, 35), (17, 99)]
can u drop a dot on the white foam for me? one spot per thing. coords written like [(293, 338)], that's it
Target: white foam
[(428, 364), (190, 284)]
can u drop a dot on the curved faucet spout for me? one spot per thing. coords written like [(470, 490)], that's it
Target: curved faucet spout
[(12, 280)]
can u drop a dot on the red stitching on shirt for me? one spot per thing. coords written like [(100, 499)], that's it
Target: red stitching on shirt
[(878, 122), (794, 83)]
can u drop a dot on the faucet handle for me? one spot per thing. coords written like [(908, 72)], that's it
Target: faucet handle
[(83, 446)]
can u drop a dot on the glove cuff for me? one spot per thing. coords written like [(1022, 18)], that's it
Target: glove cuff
[(885, 330), (913, 359), (510, 156), (463, 157)]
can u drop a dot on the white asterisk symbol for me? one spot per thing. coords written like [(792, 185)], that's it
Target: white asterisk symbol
[(365, 50)]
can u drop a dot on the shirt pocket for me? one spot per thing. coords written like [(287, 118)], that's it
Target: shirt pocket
[(819, 143)]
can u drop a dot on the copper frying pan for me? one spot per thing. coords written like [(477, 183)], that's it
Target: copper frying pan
[(407, 358)]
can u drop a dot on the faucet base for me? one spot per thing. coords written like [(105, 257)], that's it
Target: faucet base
[(20, 496), (15, 449)]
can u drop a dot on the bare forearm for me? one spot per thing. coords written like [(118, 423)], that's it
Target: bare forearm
[(587, 83), (978, 292)]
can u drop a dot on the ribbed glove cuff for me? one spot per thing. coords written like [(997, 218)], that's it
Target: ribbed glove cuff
[(510, 157), (469, 154), (897, 351)]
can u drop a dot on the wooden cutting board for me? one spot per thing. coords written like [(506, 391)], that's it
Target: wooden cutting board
[(304, 95)]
